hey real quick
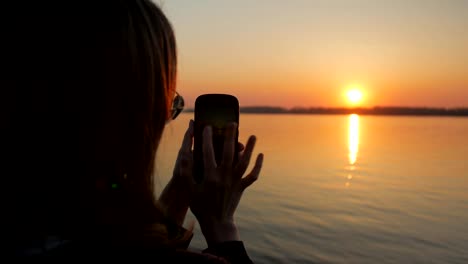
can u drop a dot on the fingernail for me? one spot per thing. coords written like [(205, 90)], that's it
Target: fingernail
[(232, 125), (207, 130)]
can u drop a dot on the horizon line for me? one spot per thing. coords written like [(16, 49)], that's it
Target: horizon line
[(351, 107), (376, 110)]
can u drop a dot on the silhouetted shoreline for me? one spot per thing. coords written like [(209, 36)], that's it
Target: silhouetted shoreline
[(378, 110)]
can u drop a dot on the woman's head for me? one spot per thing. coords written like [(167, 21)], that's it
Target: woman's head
[(89, 94)]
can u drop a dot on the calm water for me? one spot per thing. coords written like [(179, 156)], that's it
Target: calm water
[(349, 189)]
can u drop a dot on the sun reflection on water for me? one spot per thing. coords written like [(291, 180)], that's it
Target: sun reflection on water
[(353, 138), (353, 144)]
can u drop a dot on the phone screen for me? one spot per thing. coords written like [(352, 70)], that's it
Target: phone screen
[(217, 111)]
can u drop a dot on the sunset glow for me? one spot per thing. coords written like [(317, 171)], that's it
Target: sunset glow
[(317, 50)]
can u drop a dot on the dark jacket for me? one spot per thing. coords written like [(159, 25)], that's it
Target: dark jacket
[(225, 252)]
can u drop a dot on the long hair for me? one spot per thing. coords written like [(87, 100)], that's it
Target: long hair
[(86, 100)]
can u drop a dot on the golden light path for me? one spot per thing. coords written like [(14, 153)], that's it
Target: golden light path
[(353, 138), (353, 145)]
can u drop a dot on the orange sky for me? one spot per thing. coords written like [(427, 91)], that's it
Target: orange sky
[(306, 52)]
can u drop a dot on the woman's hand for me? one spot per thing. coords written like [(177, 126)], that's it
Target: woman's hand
[(215, 200), (175, 198)]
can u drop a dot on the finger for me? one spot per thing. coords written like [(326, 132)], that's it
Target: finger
[(185, 166), (240, 147), (245, 158), (209, 160), (253, 175), (240, 151), (229, 144), (188, 139)]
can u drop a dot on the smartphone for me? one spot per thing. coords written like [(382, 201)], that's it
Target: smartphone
[(215, 110)]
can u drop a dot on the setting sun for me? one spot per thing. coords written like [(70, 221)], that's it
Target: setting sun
[(354, 96)]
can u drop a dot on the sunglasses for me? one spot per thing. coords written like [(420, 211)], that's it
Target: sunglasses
[(177, 105)]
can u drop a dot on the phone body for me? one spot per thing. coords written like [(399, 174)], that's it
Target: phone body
[(215, 110)]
